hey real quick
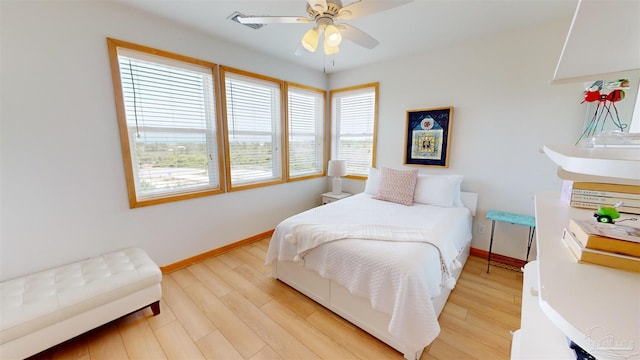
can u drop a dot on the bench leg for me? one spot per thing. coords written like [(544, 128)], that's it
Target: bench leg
[(155, 308)]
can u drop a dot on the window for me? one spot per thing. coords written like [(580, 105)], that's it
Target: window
[(168, 124), (354, 112), (181, 139), (305, 130), (252, 107)]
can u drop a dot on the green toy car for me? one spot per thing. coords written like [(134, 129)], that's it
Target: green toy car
[(606, 214)]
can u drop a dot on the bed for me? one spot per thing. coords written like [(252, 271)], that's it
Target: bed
[(384, 266)]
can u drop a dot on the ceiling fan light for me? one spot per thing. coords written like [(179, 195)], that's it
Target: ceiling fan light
[(310, 39), (330, 50), (332, 36)]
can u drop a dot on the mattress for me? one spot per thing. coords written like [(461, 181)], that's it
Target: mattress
[(398, 278)]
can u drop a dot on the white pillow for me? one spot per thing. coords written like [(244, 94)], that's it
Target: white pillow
[(373, 181), (397, 186), (439, 190)]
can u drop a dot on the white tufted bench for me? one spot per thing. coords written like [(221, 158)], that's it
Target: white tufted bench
[(44, 309)]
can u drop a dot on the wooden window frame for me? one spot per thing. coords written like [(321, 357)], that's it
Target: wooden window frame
[(228, 163), (334, 121), (323, 129), (134, 202)]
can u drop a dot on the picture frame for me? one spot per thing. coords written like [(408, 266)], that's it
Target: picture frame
[(428, 137)]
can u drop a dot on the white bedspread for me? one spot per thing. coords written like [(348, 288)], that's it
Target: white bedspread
[(399, 278), (307, 237)]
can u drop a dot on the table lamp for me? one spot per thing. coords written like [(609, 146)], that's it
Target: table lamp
[(337, 169)]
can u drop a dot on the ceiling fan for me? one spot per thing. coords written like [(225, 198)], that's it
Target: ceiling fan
[(324, 13)]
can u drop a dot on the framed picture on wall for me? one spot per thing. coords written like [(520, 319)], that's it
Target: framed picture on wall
[(427, 137)]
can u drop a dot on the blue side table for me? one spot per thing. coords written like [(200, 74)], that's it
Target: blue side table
[(511, 218)]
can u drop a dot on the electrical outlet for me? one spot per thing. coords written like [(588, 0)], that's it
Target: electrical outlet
[(481, 228)]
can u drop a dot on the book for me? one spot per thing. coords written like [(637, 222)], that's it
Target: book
[(614, 238), (584, 255), (606, 200), (614, 194), (592, 195), (618, 188), (588, 205)]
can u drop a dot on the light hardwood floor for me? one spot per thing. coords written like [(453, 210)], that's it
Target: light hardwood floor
[(229, 307)]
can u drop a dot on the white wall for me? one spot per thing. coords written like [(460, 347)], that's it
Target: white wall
[(63, 191), (505, 110), (63, 194)]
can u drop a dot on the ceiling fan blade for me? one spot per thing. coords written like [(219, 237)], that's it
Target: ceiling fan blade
[(273, 20), (357, 36), (363, 8), (318, 5)]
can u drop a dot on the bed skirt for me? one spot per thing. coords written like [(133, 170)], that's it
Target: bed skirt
[(353, 308)]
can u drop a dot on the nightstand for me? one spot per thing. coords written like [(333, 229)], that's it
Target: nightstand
[(331, 197)]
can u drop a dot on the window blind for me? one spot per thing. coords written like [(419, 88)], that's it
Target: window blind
[(254, 128), (354, 121), (306, 131), (171, 122)]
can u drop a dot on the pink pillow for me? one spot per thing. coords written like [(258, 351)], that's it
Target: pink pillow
[(397, 186)]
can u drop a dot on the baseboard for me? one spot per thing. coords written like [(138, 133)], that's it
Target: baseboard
[(498, 258), (194, 259)]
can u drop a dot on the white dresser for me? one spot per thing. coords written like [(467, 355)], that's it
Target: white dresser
[(595, 306)]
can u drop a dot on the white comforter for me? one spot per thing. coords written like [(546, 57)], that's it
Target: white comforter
[(399, 278)]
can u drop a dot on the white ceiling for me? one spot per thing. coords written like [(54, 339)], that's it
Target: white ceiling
[(414, 28)]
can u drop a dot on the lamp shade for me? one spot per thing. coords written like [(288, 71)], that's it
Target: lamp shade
[(330, 50), (332, 36), (310, 39), (337, 168)]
